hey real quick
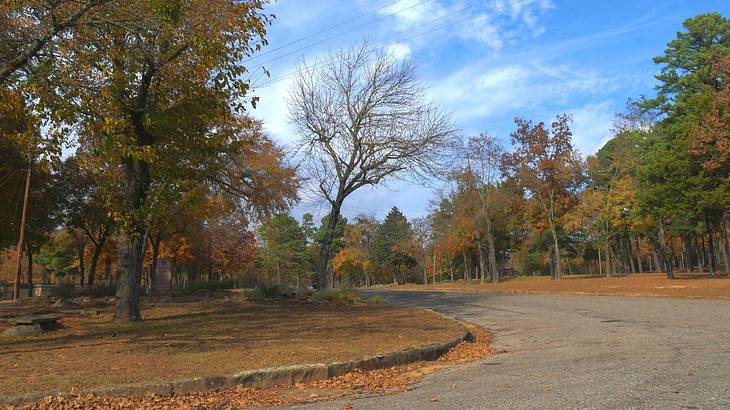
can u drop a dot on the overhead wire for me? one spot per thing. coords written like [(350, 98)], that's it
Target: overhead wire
[(259, 73), (334, 36), (324, 62), (323, 31)]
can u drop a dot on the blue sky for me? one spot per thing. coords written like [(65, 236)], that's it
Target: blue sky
[(487, 61)]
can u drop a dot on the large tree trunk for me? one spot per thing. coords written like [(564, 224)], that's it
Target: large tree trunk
[(128, 276), (325, 247), (131, 243)]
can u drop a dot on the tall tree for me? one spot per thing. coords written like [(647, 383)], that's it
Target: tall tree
[(286, 247), (391, 248), (362, 120), (550, 171), (158, 98), (484, 154)]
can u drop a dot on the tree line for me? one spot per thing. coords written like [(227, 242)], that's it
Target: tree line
[(168, 161)]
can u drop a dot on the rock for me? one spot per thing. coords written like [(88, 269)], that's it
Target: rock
[(23, 330), (202, 293)]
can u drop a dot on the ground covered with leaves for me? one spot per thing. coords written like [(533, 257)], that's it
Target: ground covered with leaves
[(383, 381), (685, 286), (180, 341)]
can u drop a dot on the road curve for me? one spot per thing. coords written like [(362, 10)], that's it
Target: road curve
[(576, 352)]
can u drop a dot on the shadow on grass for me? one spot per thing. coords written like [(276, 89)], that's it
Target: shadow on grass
[(217, 328)]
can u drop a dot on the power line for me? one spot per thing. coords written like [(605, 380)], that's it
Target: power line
[(323, 63), (334, 36), (323, 31)]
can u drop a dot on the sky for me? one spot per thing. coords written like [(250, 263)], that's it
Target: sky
[(485, 61)]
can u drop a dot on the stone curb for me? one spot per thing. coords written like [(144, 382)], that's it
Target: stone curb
[(268, 377)]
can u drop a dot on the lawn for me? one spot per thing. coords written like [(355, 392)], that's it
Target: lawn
[(685, 286), (202, 339)]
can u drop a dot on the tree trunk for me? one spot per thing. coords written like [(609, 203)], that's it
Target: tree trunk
[(556, 248), (724, 252), (92, 268), (492, 256), (156, 241), (29, 255), (609, 268), (81, 251), (710, 244), (128, 276), (425, 273), (663, 251), (451, 268), (466, 267), (433, 277), (278, 275), (700, 250), (482, 261), (325, 246), (600, 263), (638, 256), (627, 246)]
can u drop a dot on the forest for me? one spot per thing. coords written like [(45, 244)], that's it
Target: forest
[(136, 142)]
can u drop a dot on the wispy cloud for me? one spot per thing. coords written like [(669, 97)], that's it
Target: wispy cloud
[(483, 92)]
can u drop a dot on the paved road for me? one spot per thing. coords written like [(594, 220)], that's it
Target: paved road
[(577, 352)]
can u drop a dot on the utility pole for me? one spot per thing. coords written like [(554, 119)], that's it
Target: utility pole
[(16, 288)]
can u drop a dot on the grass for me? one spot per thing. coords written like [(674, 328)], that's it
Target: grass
[(685, 286), (177, 342)]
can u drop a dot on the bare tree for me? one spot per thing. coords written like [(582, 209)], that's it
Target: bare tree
[(485, 155), (362, 120)]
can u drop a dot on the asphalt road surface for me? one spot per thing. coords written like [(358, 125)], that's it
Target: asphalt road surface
[(576, 352)]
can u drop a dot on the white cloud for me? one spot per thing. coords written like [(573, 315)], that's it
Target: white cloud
[(591, 125), (399, 50), (273, 109), (481, 92)]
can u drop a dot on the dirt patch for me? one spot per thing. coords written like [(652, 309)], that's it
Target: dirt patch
[(382, 381), (205, 339), (685, 286)]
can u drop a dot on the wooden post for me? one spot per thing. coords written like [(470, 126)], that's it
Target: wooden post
[(16, 287)]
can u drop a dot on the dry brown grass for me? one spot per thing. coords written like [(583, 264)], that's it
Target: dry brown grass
[(382, 381), (685, 286), (178, 342)]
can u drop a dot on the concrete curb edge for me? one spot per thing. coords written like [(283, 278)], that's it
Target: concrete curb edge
[(268, 377)]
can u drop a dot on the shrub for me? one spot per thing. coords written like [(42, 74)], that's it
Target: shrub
[(211, 285), (263, 292), (345, 296), (69, 291)]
